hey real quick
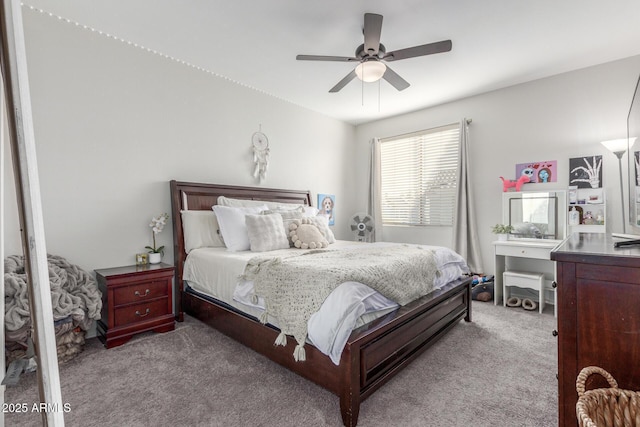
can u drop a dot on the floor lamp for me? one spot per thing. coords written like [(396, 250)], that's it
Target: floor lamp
[(619, 147)]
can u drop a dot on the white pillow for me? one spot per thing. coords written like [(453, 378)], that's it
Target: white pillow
[(233, 227), (322, 222), (309, 211), (266, 232), (246, 203), (200, 230)]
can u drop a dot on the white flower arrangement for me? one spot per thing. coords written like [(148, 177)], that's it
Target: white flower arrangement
[(157, 225)]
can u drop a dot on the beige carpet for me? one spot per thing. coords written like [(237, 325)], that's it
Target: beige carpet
[(499, 370)]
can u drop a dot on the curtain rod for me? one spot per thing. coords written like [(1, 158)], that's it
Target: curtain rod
[(404, 135)]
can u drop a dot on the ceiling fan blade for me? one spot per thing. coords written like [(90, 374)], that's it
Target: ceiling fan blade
[(372, 31), (395, 80), (342, 83), (425, 49), (325, 58)]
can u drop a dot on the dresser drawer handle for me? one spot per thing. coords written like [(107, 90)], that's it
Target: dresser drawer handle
[(554, 284), (136, 293), (142, 315), (554, 333)]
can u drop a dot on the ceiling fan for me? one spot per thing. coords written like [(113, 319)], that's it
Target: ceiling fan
[(372, 56)]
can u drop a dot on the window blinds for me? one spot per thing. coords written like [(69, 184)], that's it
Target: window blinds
[(418, 177)]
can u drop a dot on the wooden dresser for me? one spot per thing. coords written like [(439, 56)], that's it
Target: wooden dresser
[(598, 298), (135, 299)]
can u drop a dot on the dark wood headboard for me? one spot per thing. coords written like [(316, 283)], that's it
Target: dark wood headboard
[(200, 196)]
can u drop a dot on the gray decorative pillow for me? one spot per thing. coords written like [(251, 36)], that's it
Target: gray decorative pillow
[(266, 232), (288, 217)]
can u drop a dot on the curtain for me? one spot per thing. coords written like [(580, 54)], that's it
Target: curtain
[(374, 208), (465, 231)]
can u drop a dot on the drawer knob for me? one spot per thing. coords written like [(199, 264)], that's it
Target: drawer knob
[(554, 284), (554, 333), (142, 315), (136, 293)]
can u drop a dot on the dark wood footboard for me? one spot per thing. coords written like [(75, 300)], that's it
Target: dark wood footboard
[(373, 354), (381, 349)]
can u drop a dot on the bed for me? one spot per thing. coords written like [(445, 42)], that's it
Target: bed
[(373, 353)]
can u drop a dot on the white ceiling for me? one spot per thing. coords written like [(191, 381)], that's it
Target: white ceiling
[(496, 43)]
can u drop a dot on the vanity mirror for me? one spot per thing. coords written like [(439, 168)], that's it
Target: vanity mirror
[(535, 214)]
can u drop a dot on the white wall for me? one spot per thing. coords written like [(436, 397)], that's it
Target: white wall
[(114, 123), (556, 118)]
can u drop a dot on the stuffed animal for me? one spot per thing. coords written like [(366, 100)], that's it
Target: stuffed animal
[(306, 235), (508, 183)]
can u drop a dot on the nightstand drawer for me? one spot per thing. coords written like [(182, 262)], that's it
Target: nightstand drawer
[(140, 312), (140, 292)]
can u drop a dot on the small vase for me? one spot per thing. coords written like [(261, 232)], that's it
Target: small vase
[(155, 257), (503, 237)]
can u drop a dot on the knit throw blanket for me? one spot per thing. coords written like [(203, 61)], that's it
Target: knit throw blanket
[(73, 293), (294, 287)]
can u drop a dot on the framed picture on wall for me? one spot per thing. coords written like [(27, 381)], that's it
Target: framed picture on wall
[(326, 205), (586, 172), (538, 171)]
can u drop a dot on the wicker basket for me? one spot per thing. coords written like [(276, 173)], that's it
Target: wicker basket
[(606, 407)]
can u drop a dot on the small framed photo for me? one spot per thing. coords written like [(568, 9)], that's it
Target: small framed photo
[(141, 259), (327, 205)]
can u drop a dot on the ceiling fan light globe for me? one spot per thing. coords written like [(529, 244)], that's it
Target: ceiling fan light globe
[(370, 71)]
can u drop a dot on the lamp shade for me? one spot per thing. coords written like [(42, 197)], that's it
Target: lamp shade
[(618, 145), (370, 71)]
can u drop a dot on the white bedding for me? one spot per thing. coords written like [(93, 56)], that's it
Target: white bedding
[(215, 272)]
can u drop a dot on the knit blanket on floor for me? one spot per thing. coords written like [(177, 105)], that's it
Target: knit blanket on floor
[(294, 287), (74, 293)]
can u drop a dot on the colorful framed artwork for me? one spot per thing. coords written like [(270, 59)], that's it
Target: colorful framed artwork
[(538, 172), (586, 172), (326, 205)]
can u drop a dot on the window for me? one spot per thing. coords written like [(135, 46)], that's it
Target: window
[(419, 177)]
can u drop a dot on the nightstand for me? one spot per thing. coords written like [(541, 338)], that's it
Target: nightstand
[(135, 299)]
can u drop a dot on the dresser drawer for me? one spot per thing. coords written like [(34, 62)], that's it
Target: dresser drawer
[(140, 292), (617, 274), (140, 312)]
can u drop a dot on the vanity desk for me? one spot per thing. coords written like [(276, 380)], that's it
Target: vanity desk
[(524, 248), (538, 222), (598, 316)]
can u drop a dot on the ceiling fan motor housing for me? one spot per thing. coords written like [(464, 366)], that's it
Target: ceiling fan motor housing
[(371, 55)]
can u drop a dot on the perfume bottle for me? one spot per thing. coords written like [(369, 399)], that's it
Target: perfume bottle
[(574, 216)]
